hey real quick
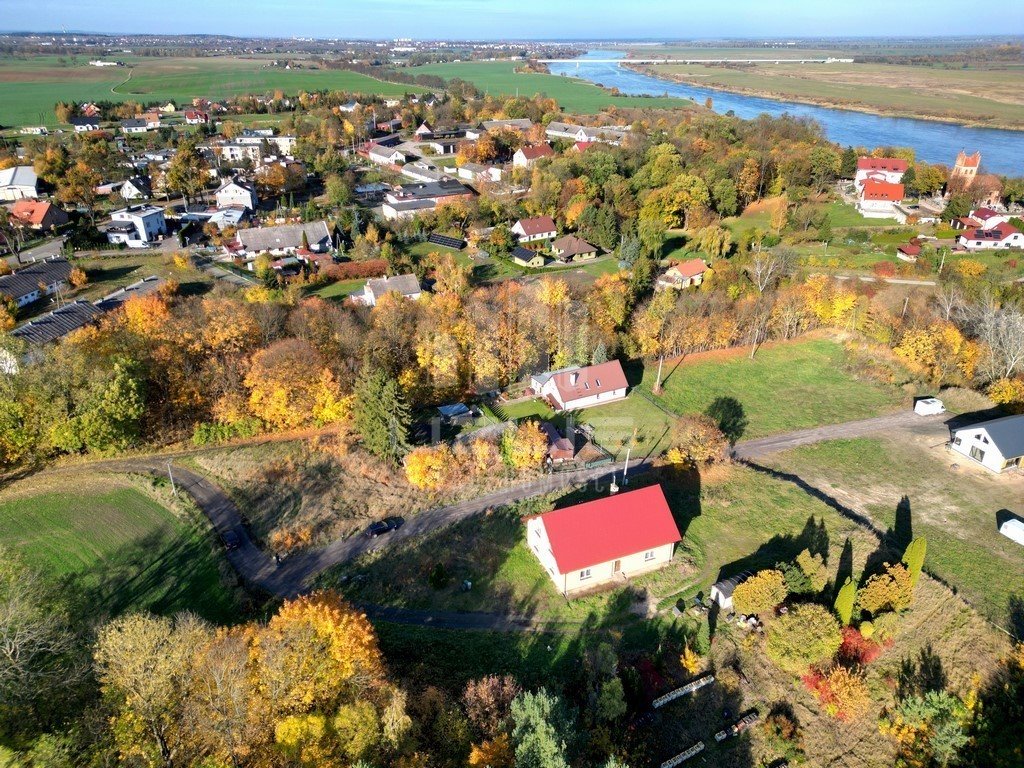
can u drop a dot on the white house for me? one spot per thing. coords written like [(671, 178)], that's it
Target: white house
[(886, 169), (578, 133), (604, 541), (136, 188), (405, 285), (285, 240), (18, 183), (237, 193), (997, 445), (385, 155), (137, 225), (721, 591), (683, 275), (537, 228), (196, 117), (984, 238), (42, 278), (987, 218), (134, 125), (572, 388), (237, 152), (880, 200), (85, 124), (525, 157), (410, 199)]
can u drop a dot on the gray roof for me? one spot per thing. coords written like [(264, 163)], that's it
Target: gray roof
[(18, 176), (60, 322), (442, 188), (728, 586), (143, 287), (286, 236), (522, 123), (407, 285), (134, 122), (1006, 433), (27, 280), (142, 184)]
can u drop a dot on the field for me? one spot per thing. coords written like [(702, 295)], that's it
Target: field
[(787, 386), (116, 545), (906, 484), (500, 78), (918, 91), (30, 87)]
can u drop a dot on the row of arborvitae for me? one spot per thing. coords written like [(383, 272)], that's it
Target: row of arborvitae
[(830, 649)]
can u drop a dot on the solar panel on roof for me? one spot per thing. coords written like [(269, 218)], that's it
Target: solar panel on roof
[(448, 242)]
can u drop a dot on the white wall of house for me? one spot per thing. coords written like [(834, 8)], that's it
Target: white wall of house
[(881, 209), (550, 390), (236, 194), (1016, 240), (890, 177), (525, 238), (974, 443)]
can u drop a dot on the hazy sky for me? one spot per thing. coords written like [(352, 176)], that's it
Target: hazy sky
[(493, 19)]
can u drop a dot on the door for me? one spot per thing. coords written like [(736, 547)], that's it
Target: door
[(617, 568)]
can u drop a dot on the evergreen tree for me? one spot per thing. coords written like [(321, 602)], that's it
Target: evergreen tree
[(848, 164), (600, 353), (845, 600), (913, 558), (381, 414), (540, 725)]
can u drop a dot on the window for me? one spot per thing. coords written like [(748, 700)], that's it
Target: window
[(983, 439), (586, 385), (598, 382), (957, 441), (584, 574), (648, 555), (977, 454)]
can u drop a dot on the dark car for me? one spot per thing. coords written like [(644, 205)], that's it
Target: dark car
[(231, 540), (384, 526)]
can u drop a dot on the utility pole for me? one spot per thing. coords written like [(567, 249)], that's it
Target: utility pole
[(170, 475)]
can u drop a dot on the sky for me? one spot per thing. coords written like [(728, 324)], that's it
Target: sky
[(514, 19)]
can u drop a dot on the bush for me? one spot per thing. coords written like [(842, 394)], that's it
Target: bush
[(439, 577), (858, 649), (1008, 393), (352, 270), (209, 433), (807, 635), (760, 593), (884, 269), (842, 693), (889, 591), (696, 441)]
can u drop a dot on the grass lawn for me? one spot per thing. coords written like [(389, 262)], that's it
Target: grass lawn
[(842, 215), (787, 386), (116, 545), (955, 510), (340, 290)]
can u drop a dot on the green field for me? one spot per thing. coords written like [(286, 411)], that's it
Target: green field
[(787, 386), (116, 547), (499, 78), (30, 87)]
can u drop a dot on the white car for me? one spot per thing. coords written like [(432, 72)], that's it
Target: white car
[(929, 406)]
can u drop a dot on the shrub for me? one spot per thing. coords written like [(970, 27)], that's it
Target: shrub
[(807, 635), (205, 434), (351, 270), (845, 600), (913, 558), (439, 577), (858, 649), (1009, 393), (760, 593), (884, 269), (889, 591), (697, 440), (842, 693)]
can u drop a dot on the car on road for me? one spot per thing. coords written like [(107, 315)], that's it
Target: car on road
[(384, 526), (231, 540)]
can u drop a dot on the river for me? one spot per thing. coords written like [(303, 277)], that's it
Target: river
[(1002, 152)]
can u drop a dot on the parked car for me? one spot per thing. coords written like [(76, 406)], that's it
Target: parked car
[(384, 526), (231, 540)]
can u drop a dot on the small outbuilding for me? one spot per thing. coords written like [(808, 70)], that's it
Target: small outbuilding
[(998, 445), (721, 591), (1013, 529)]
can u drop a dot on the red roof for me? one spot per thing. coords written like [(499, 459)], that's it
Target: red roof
[(610, 528), (909, 249), (997, 233), (881, 190), (538, 225), (582, 146), (692, 268), (984, 214), (590, 381), (31, 211), (968, 161), (541, 150), (891, 164)]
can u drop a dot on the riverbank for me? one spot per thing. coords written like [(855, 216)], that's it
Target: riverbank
[(963, 120)]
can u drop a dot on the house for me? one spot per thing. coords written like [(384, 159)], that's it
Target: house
[(425, 131), (560, 448), (42, 278), (168, 108), (582, 146), (237, 152), (390, 126), (286, 239), (35, 130), (236, 193), (58, 323), (721, 591), (410, 199), (137, 188), (84, 124), (683, 275), (134, 125), (572, 248), (885, 169), (526, 157), (987, 218), (578, 133), (999, 236), (18, 182), (137, 225), (89, 110), (524, 257), (537, 228), (407, 286), (521, 124), (997, 445), (909, 251), (38, 214), (575, 387), (604, 541), (478, 172), (385, 155), (456, 414), (152, 119), (196, 117), (349, 107), (879, 200)]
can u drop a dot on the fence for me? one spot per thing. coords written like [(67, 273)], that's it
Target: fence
[(694, 750), (690, 687)]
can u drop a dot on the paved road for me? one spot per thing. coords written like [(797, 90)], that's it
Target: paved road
[(904, 420)]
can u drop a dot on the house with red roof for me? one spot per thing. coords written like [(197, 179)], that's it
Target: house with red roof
[(572, 388), (683, 275), (537, 228), (989, 238), (196, 117), (887, 169), (988, 218), (604, 541), (525, 157), (38, 214), (880, 200)]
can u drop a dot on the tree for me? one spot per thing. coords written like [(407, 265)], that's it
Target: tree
[(959, 205), (813, 567), (381, 415), (357, 729), (539, 731), (12, 234), (289, 386), (889, 591), (930, 729), (696, 441), (429, 467), (845, 600), (78, 278), (77, 186), (524, 446), (806, 635), (842, 692), (492, 753), (107, 416), (913, 559), (768, 267), (188, 171), (760, 593)]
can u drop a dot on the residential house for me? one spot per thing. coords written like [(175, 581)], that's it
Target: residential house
[(997, 445), (424, 132), (572, 248), (524, 257), (988, 218), (385, 155), (58, 323), (478, 172), (410, 199), (521, 124), (879, 200), (168, 108), (137, 188), (613, 135), (535, 229), (349, 107), (683, 275), (152, 119), (526, 157), (237, 152), (18, 182), (582, 146), (237, 192), (604, 541), (999, 236), (574, 387), (134, 125), (84, 124), (560, 449), (38, 214), (885, 169), (43, 278), (909, 252), (196, 117), (137, 225), (390, 126), (407, 286), (285, 239), (89, 110)]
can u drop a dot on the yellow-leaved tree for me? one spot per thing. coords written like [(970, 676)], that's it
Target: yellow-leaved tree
[(429, 467), (524, 446)]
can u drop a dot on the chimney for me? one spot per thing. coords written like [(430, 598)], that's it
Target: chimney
[(574, 377)]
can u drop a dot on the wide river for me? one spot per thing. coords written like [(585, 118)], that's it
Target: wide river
[(1001, 151)]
